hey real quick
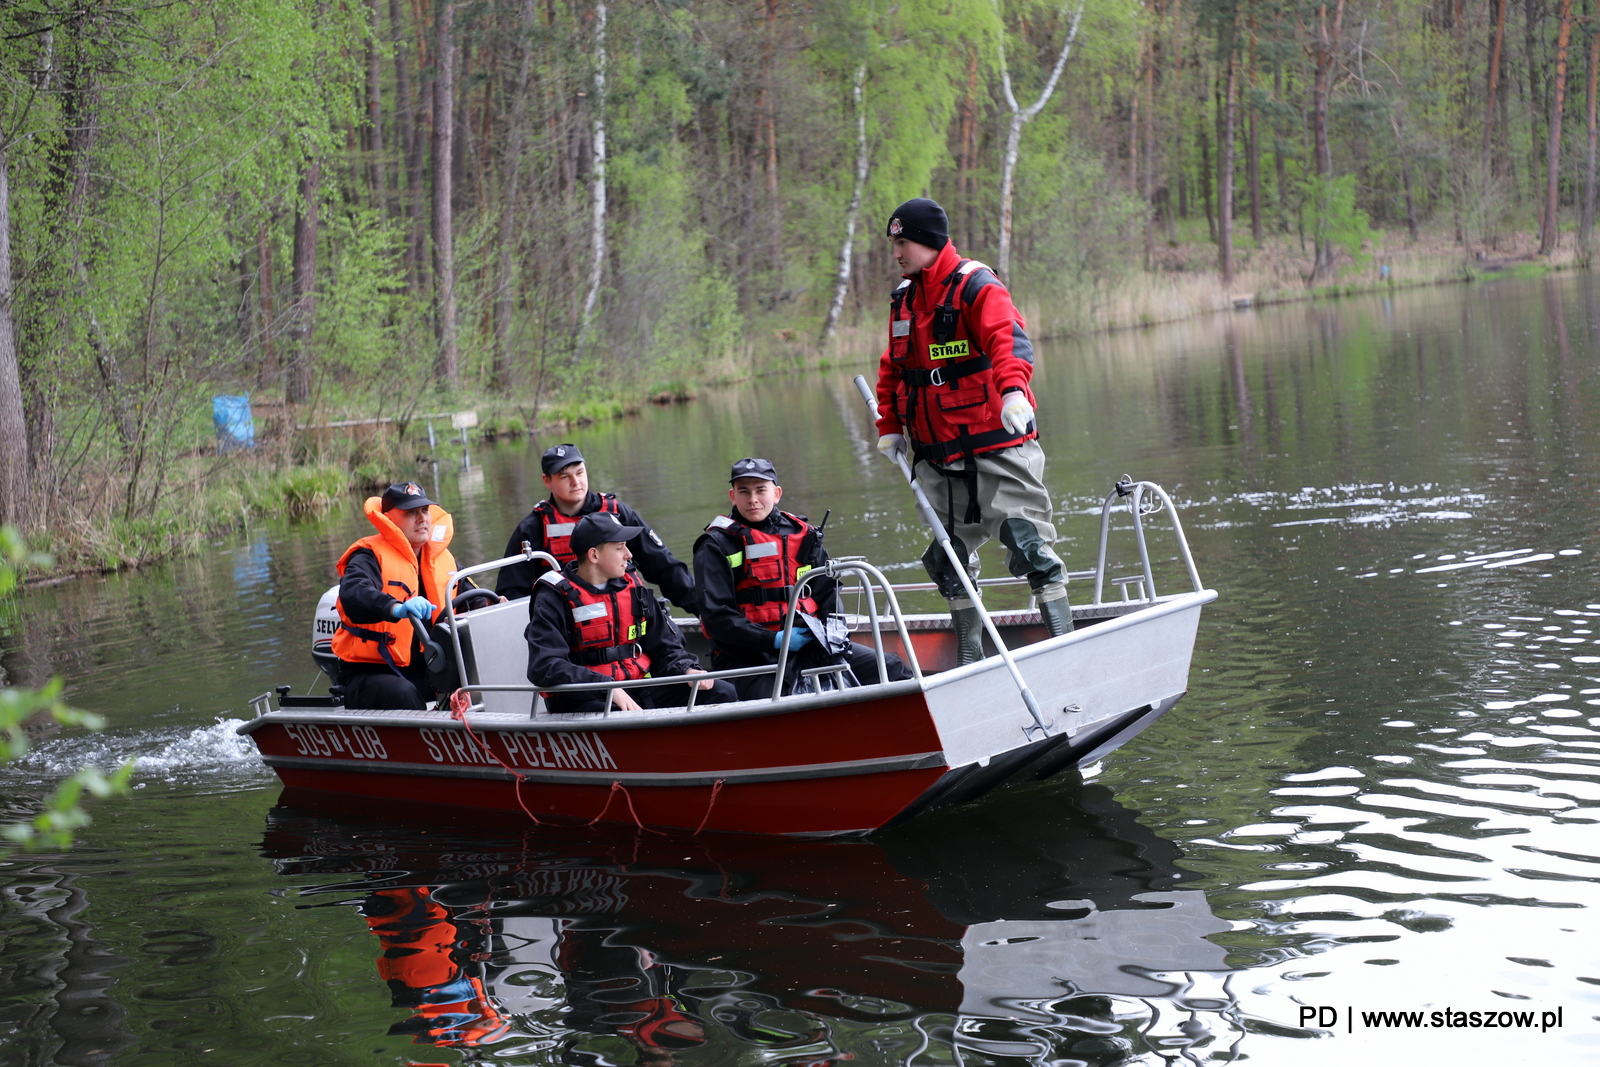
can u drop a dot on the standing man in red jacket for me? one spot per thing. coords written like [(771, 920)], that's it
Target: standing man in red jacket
[(953, 389)]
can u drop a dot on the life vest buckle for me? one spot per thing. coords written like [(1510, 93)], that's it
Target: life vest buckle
[(936, 376)]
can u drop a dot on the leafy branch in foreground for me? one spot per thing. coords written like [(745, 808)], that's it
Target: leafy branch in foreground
[(62, 813)]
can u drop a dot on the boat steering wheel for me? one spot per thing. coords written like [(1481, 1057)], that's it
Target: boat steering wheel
[(474, 598)]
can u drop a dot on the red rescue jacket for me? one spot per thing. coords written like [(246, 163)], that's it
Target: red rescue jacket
[(956, 344), (558, 527), (765, 570), (404, 577), (606, 627)]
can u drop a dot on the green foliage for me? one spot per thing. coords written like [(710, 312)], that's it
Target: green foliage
[(1329, 212), (62, 812)]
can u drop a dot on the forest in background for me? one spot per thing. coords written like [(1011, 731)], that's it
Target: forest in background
[(390, 206)]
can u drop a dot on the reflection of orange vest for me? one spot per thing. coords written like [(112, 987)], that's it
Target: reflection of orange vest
[(360, 642), (418, 939)]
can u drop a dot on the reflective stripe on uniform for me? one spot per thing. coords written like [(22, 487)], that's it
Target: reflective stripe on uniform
[(761, 551), (590, 611)]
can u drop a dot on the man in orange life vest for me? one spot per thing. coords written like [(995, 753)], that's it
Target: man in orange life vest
[(594, 619), (548, 528), (386, 580), (746, 565), (953, 388)]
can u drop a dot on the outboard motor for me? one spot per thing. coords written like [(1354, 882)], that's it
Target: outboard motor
[(323, 625)]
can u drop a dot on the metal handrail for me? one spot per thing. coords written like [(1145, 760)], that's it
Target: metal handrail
[(1135, 491), (832, 569)]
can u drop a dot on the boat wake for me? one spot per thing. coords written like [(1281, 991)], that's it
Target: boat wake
[(216, 755)]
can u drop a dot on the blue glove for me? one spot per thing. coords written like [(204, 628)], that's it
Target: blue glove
[(799, 638), (418, 607)]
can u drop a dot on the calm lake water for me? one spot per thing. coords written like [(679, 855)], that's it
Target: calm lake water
[(1381, 793)]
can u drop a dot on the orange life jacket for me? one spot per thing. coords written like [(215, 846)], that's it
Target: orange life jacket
[(403, 578), (557, 528), (606, 627), (765, 570)]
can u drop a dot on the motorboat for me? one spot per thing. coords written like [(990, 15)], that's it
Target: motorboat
[(821, 757)]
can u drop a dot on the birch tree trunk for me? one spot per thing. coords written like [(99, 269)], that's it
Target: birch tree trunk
[(1558, 99), (598, 224), (510, 194), (444, 246), (847, 250), (1020, 117), (15, 486)]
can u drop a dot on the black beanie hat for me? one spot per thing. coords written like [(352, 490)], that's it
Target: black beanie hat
[(921, 220)]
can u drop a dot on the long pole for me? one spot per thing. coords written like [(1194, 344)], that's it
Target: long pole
[(930, 518)]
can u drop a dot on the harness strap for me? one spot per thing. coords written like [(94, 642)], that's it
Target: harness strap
[(918, 376), (590, 657), (762, 594), (940, 452)]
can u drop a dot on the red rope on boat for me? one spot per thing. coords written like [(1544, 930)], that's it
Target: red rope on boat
[(459, 703), (716, 787), (618, 787)]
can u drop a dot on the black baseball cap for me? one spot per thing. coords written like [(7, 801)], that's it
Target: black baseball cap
[(600, 528), (404, 496), (752, 467), (921, 220), (560, 457)]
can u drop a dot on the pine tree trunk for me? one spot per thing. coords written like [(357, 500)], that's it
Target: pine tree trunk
[(1492, 84), (1558, 96), (1586, 225), (444, 270), (1325, 47), (1225, 171), (375, 111), (405, 126), (297, 384)]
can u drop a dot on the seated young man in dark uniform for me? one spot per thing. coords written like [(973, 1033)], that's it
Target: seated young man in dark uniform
[(595, 620), (549, 526), (746, 565)]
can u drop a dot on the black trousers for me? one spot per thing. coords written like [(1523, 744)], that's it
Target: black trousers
[(375, 687), (863, 663), (666, 695)]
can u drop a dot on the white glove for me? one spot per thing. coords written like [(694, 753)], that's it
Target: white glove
[(1015, 414), (892, 445)]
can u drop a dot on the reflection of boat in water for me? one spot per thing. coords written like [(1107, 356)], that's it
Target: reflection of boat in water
[(1047, 917), (837, 759)]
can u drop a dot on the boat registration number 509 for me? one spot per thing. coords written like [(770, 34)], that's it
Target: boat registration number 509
[(360, 742)]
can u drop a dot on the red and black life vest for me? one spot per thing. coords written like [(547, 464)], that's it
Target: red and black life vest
[(607, 628), (766, 569), (947, 397), (557, 528)]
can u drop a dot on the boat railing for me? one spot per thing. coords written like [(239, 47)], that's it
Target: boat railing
[(1142, 499), (871, 578), (833, 568)]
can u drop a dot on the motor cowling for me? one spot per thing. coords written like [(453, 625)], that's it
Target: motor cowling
[(323, 625)]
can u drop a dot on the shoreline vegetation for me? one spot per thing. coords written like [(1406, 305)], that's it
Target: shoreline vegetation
[(556, 211), (316, 469)]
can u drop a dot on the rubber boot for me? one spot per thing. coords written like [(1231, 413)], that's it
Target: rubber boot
[(969, 635), (1057, 615)]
